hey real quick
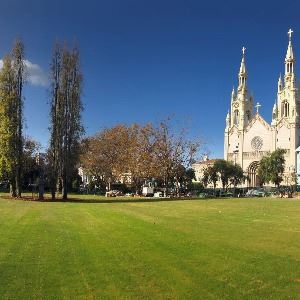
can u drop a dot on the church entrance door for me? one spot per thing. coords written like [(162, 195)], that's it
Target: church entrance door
[(253, 180)]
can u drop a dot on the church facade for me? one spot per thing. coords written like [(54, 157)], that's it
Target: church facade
[(248, 137)]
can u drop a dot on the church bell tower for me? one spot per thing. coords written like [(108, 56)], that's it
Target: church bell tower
[(287, 110), (241, 102), (240, 114)]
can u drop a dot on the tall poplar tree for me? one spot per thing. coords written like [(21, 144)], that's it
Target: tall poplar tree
[(18, 68), (56, 116), (11, 118), (66, 107)]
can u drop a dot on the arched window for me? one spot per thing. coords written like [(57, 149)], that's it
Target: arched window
[(248, 116), (289, 67), (285, 109), (236, 117)]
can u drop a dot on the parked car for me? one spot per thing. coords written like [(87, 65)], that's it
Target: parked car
[(148, 191), (158, 194), (255, 193), (113, 193), (129, 195)]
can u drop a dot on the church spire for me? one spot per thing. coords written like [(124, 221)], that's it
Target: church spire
[(243, 72), (289, 53), (289, 61)]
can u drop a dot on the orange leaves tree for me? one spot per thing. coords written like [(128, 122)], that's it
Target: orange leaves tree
[(119, 153), (137, 154)]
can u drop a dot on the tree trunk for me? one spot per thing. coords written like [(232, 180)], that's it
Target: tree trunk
[(18, 182), (64, 188), (177, 187), (12, 188), (166, 186), (41, 190), (53, 189)]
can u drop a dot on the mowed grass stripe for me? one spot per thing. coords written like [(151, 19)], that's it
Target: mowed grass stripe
[(221, 249)]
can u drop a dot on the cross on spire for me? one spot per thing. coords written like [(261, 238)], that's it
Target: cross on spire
[(257, 107), (290, 33), (243, 50)]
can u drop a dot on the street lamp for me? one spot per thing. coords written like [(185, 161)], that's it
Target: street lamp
[(235, 152)]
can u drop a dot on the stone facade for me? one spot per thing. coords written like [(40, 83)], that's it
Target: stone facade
[(248, 137)]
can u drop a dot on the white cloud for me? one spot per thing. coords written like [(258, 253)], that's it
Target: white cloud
[(34, 74)]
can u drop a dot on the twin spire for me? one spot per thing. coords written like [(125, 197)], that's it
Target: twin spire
[(241, 94), (289, 66)]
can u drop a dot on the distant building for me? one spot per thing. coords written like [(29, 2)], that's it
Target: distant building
[(199, 168), (84, 176), (125, 178)]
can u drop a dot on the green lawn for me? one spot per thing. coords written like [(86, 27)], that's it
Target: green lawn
[(192, 249)]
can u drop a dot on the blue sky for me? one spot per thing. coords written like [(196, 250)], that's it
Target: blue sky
[(145, 60)]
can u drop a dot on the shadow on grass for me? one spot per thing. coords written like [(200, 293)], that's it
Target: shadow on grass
[(112, 201), (106, 200)]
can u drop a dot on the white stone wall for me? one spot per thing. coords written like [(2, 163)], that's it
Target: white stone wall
[(258, 129), (283, 137)]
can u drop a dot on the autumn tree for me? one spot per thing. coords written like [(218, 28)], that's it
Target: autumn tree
[(172, 150), (141, 156), (7, 127), (114, 152), (66, 127), (143, 153), (11, 118), (104, 153), (18, 68)]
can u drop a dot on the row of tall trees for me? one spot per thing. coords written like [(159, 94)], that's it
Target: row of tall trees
[(16, 152), (66, 127), (143, 153)]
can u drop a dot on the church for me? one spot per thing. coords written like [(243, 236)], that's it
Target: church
[(248, 137)]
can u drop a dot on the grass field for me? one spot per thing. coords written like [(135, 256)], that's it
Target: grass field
[(192, 249)]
